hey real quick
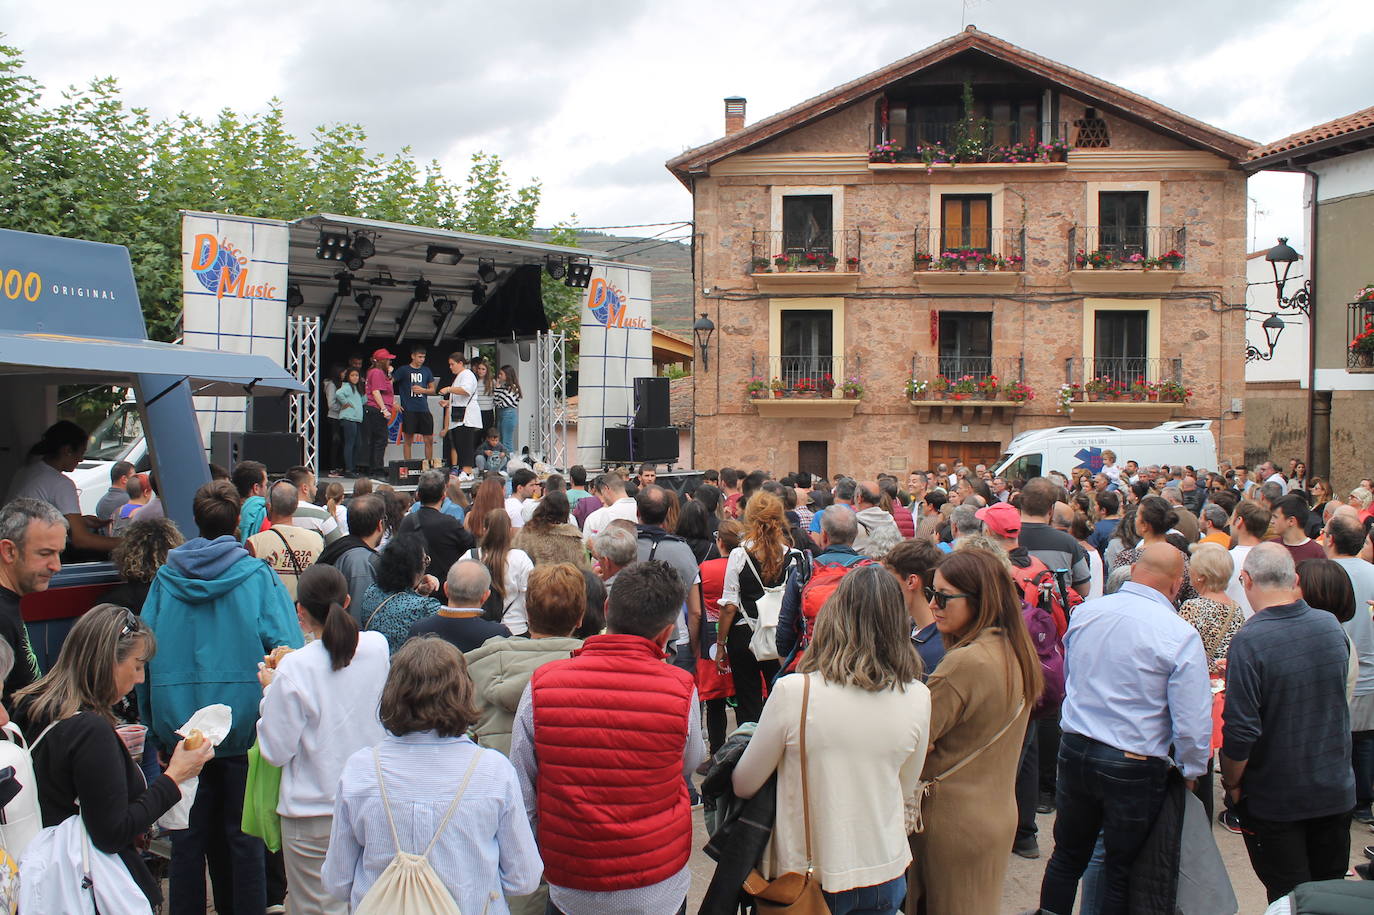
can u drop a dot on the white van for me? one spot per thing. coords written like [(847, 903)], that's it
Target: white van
[(1036, 452)]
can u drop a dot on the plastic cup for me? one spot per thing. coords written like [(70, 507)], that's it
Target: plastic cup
[(133, 736)]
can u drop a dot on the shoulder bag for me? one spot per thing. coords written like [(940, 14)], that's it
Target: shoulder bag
[(793, 893), (912, 810), (378, 609)]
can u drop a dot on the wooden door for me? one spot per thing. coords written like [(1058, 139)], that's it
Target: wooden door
[(970, 453), (812, 458)]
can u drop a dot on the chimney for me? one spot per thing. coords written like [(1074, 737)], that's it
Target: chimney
[(734, 115)]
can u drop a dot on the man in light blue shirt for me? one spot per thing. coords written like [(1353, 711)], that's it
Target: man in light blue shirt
[(1136, 685)]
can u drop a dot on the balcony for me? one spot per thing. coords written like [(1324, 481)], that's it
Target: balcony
[(971, 143), (969, 259), (788, 261), (802, 387), (1126, 259), (1360, 333), (1127, 388), (970, 388)]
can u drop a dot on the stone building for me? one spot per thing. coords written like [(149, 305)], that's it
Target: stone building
[(972, 210), (1325, 416)]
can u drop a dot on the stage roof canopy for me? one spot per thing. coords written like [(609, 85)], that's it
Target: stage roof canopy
[(493, 289)]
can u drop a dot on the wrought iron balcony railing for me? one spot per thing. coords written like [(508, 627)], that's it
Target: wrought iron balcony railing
[(1006, 368), (802, 376), (789, 251), (969, 248), (1127, 247), (969, 140), (1123, 371)]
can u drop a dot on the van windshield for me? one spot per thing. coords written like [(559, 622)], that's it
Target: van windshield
[(1024, 468), (116, 434)]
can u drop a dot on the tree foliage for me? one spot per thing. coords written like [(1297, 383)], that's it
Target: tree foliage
[(92, 167)]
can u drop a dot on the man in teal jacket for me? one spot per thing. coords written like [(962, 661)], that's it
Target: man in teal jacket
[(215, 611)]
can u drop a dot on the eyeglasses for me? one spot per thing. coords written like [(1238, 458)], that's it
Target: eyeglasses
[(131, 625), (941, 599)]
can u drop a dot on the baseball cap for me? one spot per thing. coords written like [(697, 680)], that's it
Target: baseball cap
[(1001, 518), (383, 353)]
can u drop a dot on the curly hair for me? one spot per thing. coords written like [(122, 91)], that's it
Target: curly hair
[(765, 529), (143, 548), (401, 564)]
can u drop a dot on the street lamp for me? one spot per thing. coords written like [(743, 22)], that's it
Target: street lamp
[(702, 331), (1283, 253), (1273, 326)]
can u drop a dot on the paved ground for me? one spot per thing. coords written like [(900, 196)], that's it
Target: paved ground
[(1022, 888)]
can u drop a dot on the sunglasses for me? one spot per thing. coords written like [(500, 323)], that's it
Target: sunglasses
[(131, 625), (941, 599)]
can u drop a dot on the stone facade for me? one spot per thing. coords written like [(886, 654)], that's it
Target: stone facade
[(886, 317)]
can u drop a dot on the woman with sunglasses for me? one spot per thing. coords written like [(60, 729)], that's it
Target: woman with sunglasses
[(80, 761), (981, 697), (866, 718)]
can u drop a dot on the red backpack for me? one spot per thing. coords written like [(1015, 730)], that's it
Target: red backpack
[(825, 578), (1040, 588)]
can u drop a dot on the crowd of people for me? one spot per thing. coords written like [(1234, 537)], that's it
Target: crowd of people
[(870, 686), (479, 413)]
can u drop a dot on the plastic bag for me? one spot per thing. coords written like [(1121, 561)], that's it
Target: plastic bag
[(214, 721)]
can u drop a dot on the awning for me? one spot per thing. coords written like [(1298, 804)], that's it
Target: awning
[(87, 359)]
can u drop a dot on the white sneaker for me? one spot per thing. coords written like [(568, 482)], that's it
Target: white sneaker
[(465, 477)]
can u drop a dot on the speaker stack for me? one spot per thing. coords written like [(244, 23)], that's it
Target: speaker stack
[(652, 437), (265, 440)]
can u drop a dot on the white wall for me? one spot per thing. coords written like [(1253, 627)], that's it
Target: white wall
[(1345, 175), (1290, 355)]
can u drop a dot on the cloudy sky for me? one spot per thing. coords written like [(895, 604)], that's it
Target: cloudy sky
[(592, 97)]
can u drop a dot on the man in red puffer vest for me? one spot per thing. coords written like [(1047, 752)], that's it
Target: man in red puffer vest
[(601, 743)]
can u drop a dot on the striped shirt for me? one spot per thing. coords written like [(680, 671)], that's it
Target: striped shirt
[(505, 398)]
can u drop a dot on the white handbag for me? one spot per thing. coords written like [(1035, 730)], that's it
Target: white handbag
[(764, 642), (61, 872)]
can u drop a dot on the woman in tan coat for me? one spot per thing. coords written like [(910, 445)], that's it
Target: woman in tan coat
[(548, 538), (981, 697)]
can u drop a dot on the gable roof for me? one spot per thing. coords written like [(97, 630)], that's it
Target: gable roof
[(1354, 131), (1104, 94)]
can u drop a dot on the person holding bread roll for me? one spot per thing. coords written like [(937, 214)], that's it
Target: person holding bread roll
[(80, 763), (319, 707)]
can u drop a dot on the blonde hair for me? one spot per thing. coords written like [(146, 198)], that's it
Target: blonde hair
[(862, 635), (1210, 562), (83, 677)]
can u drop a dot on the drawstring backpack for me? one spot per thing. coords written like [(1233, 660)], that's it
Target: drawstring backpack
[(409, 886)]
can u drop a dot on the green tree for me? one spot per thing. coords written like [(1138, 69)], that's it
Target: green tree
[(92, 167)]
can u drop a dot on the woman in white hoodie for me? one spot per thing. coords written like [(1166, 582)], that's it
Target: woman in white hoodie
[(319, 708)]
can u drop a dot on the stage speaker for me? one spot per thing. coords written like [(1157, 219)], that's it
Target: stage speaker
[(280, 451), (270, 413), (651, 403), (404, 473), (634, 446)]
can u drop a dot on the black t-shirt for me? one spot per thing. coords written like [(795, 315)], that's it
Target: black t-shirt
[(12, 630), (465, 632)]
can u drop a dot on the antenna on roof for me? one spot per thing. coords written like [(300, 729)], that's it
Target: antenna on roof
[(964, 24)]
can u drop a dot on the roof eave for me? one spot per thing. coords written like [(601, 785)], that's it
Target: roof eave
[(699, 159), (1285, 159)]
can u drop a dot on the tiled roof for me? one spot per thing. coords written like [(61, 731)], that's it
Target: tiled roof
[(1331, 130), (1082, 84)]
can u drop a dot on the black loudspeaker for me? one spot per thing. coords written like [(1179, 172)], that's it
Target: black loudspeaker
[(404, 473), (270, 413), (624, 446), (280, 451), (651, 403)]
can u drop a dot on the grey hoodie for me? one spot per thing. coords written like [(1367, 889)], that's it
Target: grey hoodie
[(878, 532)]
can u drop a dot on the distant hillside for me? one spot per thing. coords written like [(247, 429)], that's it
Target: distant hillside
[(671, 263)]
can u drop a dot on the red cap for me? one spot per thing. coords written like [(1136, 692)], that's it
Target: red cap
[(1001, 518), (382, 353)]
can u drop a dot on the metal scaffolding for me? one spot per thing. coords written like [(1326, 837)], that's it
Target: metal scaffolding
[(551, 419), (303, 362)]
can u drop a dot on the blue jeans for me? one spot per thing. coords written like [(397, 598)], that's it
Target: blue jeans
[(1099, 789), (506, 420), (881, 899), (350, 431), (215, 825), (1093, 884)]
